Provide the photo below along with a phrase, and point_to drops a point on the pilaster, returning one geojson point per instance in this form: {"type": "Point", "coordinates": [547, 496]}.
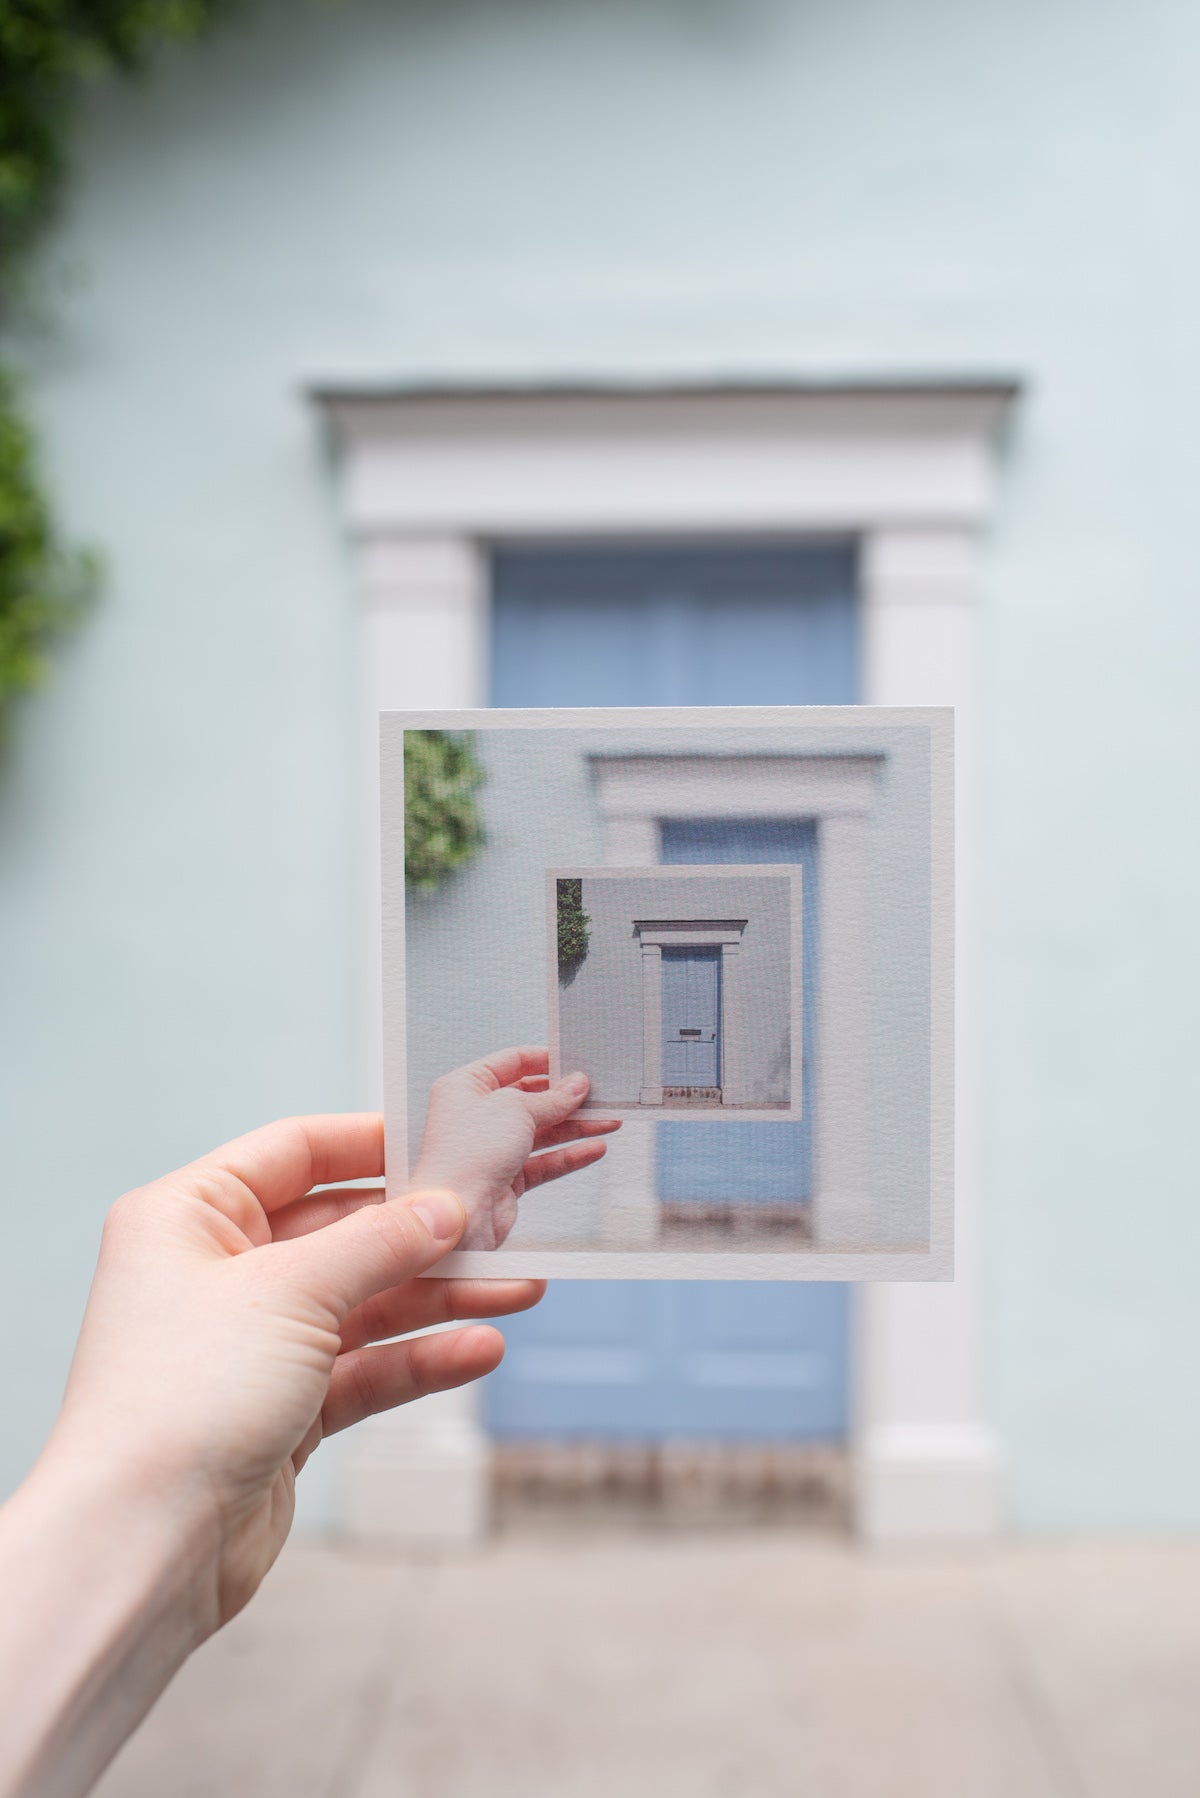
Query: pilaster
{"type": "Point", "coordinates": [927, 1461]}
{"type": "Point", "coordinates": [423, 1471]}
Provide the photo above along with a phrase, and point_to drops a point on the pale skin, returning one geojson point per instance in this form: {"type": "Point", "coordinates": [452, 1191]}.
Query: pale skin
{"type": "Point", "coordinates": [236, 1318]}
{"type": "Point", "coordinates": [481, 1130]}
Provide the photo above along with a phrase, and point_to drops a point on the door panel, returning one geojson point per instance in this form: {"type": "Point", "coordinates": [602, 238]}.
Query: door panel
{"type": "Point", "coordinates": [778, 1349]}
{"type": "Point", "coordinates": [717, 1161]}
{"type": "Point", "coordinates": [596, 1366]}
{"type": "Point", "coordinates": [710, 624]}
{"type": "Point", "coordinates": [704, 625]}
{"type": "Point", "coordinates": [691, 998]}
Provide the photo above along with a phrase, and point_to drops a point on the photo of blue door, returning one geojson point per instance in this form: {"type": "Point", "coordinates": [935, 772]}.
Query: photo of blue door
{"type": "Point", "coordinates": [745, 624]}
{"type": "Point", "coordinates": [691, 1018]}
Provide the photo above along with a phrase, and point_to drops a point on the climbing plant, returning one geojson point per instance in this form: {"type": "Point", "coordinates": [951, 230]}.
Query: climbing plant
{"type": "Point", "coordinates": [442, 826]}
{"type": "Point", "coordinates": [573, 923]}
{"type": "Point", "coordinates": [42, 586]}
{"type": "Point", "coordinates": [49, 49]}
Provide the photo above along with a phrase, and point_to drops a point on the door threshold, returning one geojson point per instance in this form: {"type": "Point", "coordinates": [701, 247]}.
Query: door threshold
{"type": "Point", "coordinates": [700, 1223]}
{"type": "Point", "coordinates": [671, 1486]}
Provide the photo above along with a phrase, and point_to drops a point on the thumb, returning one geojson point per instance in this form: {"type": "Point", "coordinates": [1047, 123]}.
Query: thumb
{"type": "Point", "coordinates": [556, 1106]}
{"type": "Point", "coordinates": [377, 1247]}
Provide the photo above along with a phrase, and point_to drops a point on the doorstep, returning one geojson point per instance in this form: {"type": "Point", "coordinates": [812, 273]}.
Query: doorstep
{"type": "Point", "coordinates": [671, 1485]}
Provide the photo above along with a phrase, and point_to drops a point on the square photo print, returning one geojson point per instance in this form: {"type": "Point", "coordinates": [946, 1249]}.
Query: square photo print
{"type": "Point", "coordinates": [669, 994]}
{"type": "Point", "coordinates": [678, 991]}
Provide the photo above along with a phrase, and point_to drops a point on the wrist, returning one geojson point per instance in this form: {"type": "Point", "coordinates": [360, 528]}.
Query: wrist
{"type": "Point", "coordinates": [166, 1530]}
{"type": "Point", "coordinates": [109, 1587]}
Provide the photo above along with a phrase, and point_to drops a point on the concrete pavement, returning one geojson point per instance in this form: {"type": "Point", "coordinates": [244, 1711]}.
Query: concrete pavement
{"type": "Point", "coordinates": [577, 1664]}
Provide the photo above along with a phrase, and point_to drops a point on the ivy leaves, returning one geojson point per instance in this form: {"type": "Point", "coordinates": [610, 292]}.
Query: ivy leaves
{"type": "Point", "coordinates": [573, 923]}
{"type": "Point", "coordinates": [442, 826]}
{"type": "Point", "coordinates": [47, 49]}
{"type": "Point", "coordinates": [43, 587]}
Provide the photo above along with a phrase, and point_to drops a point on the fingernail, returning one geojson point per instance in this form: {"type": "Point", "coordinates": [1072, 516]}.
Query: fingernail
{"type": "Point", "coordinates": [578, 1083]}
{"type": "Point", "coordinates": [441, 1213]}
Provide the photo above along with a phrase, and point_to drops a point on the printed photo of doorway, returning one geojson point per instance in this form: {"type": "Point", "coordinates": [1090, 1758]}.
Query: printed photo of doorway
{"type": "Point", "coordinates": [678, 991]}
{"type": "Point", "coordinates": [731, 921]}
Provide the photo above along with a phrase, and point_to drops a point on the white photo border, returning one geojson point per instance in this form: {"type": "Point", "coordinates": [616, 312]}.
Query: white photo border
{"type": "Point", "coordinates": [934, 1262]}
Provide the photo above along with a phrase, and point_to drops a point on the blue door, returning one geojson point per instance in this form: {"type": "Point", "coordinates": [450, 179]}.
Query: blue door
{"type": "Point", "coordinates": [691, 1004]}
{"type": "Point", "coordinates": [760, 1163]}
{"type": "Point", "coordinates": [703, 625]}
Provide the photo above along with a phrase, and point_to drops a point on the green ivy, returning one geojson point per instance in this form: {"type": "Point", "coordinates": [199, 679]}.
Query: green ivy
{"type": "Point", "coordinates": [573, 923]}
{"type": "Point", "coordinates": [42, 587]}
{"type": "Point", "coordinates": [442, 826]}
{"type": "Point", "coordinates": [48, 49]}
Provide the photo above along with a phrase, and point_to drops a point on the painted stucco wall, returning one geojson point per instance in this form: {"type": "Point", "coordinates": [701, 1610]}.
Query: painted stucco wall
{"type": "Point", "coordinates": [600, 1001]}
{"type": "Point", "coordinates": [645, 187]}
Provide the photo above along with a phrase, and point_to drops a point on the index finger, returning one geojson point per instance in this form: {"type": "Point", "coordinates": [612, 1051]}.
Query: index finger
{"type": "Point", "coordinates": [282, 1161]}
{"type": "Point", "coordinates": [507, 1065]}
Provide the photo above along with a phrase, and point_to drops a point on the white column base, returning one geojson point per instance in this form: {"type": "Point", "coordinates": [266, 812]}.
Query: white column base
{"type": "Point", "coordinates": [918, 1484]}
{"type": "Point", "coordinates": [426, 1484]}
{"type": "Point", "coordinates": [630, 1219]}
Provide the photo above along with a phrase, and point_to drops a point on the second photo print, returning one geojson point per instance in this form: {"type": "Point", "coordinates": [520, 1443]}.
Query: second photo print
{"type": "Point", "coordinates": [678, 991]}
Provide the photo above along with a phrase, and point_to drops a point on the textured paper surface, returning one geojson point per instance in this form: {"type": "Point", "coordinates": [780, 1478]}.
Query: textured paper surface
{"type": "Point", "coordinates": [765, 1000]}
{"type": "Point", "coordinates": [743, 928]}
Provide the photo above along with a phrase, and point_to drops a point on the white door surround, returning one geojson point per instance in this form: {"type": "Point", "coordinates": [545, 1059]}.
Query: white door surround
{"type": "Point", "coordinates": [429, 481]}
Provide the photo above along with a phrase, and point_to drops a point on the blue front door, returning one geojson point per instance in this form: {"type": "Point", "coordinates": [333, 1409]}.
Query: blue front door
{"type": "Point", "coordinates": [707, 625]}
{"type": "Point", "coordinates": [760, 1163]}
{"type": "Point", "coordinates": [691, 1007]}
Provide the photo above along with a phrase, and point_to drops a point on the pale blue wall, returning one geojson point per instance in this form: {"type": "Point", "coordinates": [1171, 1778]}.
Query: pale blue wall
{"type": "Point", "coordinates": [665, 187]}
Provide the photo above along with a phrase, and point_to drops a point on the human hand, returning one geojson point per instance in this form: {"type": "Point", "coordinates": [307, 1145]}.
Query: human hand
{"type": "Point", "coordinates": [496, 1128]}
{"type": "Point", "coordinates": [230, 1327]}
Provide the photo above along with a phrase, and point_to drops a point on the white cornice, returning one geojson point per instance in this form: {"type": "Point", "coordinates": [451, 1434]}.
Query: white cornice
{"type": "Point", "coordinates": [705, 786]}
{"type": "Point", "coordinates": [691, 933]}
{"type": "Point", "coordinates": [503, 462]}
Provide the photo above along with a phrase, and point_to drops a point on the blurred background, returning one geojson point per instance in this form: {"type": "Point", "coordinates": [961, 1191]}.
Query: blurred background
{"type": "Point", "coordinates": [494, 352]}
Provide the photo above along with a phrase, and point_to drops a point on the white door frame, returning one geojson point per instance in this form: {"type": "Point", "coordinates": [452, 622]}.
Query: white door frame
{"type": "Point", "coordinates": [430, 480]}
